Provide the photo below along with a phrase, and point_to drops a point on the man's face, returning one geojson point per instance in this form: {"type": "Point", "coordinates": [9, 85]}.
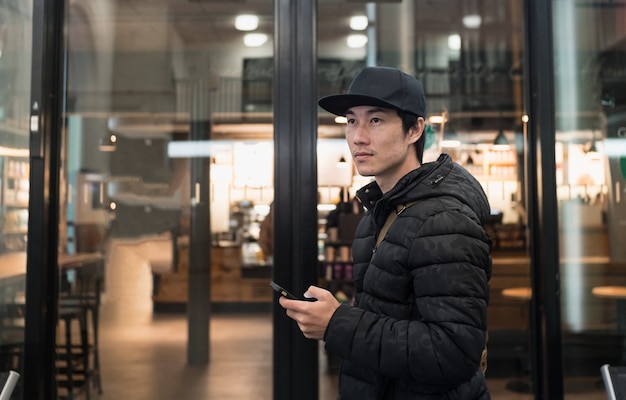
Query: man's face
{"type": "Point", "coordinates": [378, 144]}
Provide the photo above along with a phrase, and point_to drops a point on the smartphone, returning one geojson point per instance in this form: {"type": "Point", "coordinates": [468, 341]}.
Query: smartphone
{"type": "Point", "coordinates": [285, 293]}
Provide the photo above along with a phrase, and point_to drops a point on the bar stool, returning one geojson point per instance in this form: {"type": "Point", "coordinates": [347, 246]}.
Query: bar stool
{"type": "Point", "coordinates": [12, 323]}
{"type": "Point", "coordinates": [79, 303]}
{"type": "Point", "coordinates": [73, 370]}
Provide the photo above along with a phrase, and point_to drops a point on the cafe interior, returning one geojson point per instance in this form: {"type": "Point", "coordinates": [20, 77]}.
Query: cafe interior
{"type": "Point", "coordinates": [166, 170]}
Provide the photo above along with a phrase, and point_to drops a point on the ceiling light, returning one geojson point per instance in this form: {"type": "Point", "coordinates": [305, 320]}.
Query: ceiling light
{"type": "Point", "coordinates": [342, 163]}
{"type": "Point", "coordinates": [108, 143]}
{"type": "Point", "coordinates": [454, 42]}
{"type": "Point", "coordinates": [501, 142]}
{"type": "Point", "coordinates": [472, 21]}
{"type": "Point", "coordinates": [255, 39]}
{"type": "Point", "coordinates": [591, 150]}
{"type": "Point", "coordinates": [13, 152]}
{"type": "Point", "coordinates": [614, 147]}
{"type": "Point", "coordinates": [359, 22]}
{"type": "Point", "coordinates": [436, 119]}
{"type": "Point", "coordinates": [450, 137]}
{"type": "Point", "coordinates": [246, 22]}
{"type": "Point", "coordinates": [341, 120]}
{"type": "Point", "coordinates": [356, 41]}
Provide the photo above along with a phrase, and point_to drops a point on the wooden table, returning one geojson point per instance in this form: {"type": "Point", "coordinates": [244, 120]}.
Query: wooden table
{"type": "Point", "coordinates": [610, 292]}
{"type": "Point", "coordinates": [13, 265]}
{"type": "Point", "coordinates": [618, 293]}
{"type": "Point", "coordinates": [520, 293]}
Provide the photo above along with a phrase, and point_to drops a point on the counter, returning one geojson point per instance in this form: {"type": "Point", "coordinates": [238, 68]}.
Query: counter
{"type": "Point", "coordinates": [231, 282]}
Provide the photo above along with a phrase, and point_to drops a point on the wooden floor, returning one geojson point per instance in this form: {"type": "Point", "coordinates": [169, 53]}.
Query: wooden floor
{"type": "Point", "coordinates": [143, 354]}
{"type": "Point", "coordinates": [149, 362]}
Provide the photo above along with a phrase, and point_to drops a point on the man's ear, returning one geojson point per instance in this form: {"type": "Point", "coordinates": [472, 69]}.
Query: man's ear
{"type": "Point", "coordinates": [417, 130]}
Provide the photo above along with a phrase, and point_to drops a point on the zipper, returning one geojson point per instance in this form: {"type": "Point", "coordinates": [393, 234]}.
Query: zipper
{"type": "Point", "coordinates": [438, 179]}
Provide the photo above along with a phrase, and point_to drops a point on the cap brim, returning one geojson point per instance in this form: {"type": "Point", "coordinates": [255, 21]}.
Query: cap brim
{"type": "Point", "coordinates": [339, 104]}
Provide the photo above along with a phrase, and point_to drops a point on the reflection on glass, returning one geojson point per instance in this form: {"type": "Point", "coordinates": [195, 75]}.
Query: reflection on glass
{"type": "Point", "coordinates": [591, 214]}
{"type": "Point", "coordinates": [180, 193]}
{"type": "Point", "coordinates": [15, 59]}
{"type": "Point", "coordinates": [468, 55]}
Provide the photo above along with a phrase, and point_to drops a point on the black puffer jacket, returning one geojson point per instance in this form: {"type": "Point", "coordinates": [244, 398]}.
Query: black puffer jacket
{"type": "Point", "coordinates": [418, 326]}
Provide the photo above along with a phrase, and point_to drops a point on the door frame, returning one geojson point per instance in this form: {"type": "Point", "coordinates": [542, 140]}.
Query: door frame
{"type": "Point", "coordinates": [46, 126]}
{"type": "Point", "coordinates": [540, 140]}
{"type": "Point", "coordinates": [295, 367]}
{"type": "Point", "coordinates": [295, 358]}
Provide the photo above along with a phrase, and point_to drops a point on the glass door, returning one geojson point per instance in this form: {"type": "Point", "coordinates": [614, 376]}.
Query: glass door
{"type": "Point", "coordinates": [590, 138]}
{"type": "Point", "coordinates": [468, 56]}
{"type": "Point", "coordinates": [15, 54]}
{"type": "Point", "coordinates": [167, 177]}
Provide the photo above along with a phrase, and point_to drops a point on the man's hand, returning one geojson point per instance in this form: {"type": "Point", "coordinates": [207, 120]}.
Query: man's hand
{"type": "Point", "coordinates": [312, 316]}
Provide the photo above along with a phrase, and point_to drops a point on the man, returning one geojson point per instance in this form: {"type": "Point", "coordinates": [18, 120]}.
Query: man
{"type": "Point", "coordinates": [417, 328]}
{"type": "Point", "coordinates": [266, 235]}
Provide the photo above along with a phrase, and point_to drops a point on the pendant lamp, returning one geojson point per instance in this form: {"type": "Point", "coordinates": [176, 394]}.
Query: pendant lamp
{"type": "Point", "coordinates": [501, 142]}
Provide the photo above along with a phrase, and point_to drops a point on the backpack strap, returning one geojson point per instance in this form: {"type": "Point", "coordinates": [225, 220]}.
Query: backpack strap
{"type": "Point", "coordinates": [381, 235]}
{"type": "Point", "coordinates": [390, 218]}
{"type": "Point", "coordinates": [483, 356]}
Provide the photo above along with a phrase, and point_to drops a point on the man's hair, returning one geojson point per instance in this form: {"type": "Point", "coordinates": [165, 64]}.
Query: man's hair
{"type": "Point", "coordinates": [408, 121]}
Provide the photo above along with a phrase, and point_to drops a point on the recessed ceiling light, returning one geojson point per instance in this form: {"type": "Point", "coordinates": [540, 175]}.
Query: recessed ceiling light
{"type": "Point", "coordinates": [472, 21]}
{"type": "Point", "coordinates": [358, 22]}
{"type": "Point", "coordinates": [454, 42]}
{"type": "Point", "coordinates": [246, 22]}
{"type": "Point", "coordinates": [436, 119]}
{"type": "Point", "coordinates": [255, 39]}
{"type": "Point", "coordinates": [356, 41]}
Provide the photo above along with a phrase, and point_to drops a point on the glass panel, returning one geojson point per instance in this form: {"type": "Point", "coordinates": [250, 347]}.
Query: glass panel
{"type": "Point", "coordinates": [168, 175]}
{"type": "Point", "coordinates": [468, 56]}
{"type": "Point", "coordinates": [15, 54]}
{"type": "Point", "coordinates": [589, 87]}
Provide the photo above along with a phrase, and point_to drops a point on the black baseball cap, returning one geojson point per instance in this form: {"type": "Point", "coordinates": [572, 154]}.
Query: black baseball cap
{"type": "Point", "coordinates": [379, 86]}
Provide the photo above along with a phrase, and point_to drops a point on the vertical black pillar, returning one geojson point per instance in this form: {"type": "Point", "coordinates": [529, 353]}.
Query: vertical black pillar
{"type": "Point", "coordinates": [199, 300]}
{"type": "Point", "coordinates": [295, 199]}
{"type": "Point", "coordinates": [545, 323]}
{"type": "Point", "coordinates": [46, 110]}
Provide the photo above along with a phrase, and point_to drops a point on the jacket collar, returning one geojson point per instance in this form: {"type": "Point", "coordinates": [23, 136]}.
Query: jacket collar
{"type": "Point", "coordinates": [405, 189]}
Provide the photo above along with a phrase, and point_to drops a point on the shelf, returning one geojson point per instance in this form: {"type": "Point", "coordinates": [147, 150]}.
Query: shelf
{"type": "Point", "coordinates": [16, 205]}
{"type": "Point", "coordinates": [500, 164]}
{"type": "Point", "coordinates": [495, 178]}
{"type": "Point", "coordinates": [15, 195]}
{"type": "Point", "coordinates": [15, 231]}
{"type": "Point", "coordinates": [230, 281]}
{"type": "Point", "coordinates": [494, 166]}
{"type": "Point", "coordinates": [337, 243]}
